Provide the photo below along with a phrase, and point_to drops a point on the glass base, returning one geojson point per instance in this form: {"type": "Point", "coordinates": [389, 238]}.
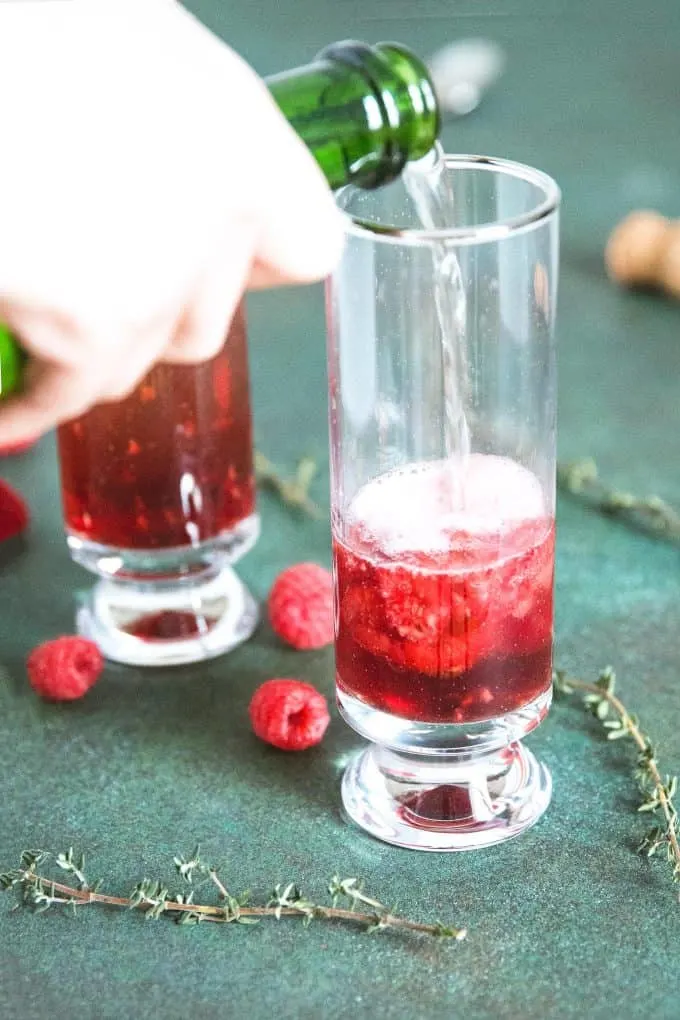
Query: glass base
{"type": "Point", "coordinates": [428, 803]}
{"type": "Point", "coordinates": [445, 786]}
{"type": "Point", "coordinates": [159, 624]}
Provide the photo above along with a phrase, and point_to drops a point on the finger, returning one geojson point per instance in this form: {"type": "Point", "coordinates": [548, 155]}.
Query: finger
{"type": "Point", "coordinates": [301, 242]}
{"type": "Point", "coordinates": [202, 328]}
{"type": "Point", "coordinates": [303, 231]}
{"type": "Point", "coordinates": [137, 363]}
{"type": "Point", "coordinates": [53, 395]}
{"type": "Point", "coordinates": [53, 389]}
{"type": "Point", "coordinates": [265, 277]}
{"type": "Point", "coordinates": [48, 333]}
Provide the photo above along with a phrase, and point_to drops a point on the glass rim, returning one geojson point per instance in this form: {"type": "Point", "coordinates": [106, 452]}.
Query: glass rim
{"type": "Point", "coordinates": [480, 233]}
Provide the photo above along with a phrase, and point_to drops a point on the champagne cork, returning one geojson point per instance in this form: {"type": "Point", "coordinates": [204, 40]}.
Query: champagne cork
{"type": "Point", "coordinates": [644, 250]}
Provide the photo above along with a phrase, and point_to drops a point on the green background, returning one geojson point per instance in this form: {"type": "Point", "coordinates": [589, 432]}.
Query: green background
{"type": "Point", "coordinates": [566, 921]}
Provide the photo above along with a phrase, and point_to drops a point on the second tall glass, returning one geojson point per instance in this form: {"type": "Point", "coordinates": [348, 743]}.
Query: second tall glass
{"type": "Point", "coordinates": [442, 421]}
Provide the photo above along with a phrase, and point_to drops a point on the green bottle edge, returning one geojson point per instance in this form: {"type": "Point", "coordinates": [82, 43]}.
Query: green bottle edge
{"type": "Point", "coordinates": [12, 363]}
{"type": "Point", "coordinates": [376, 60]}
{"type": "Point", "coordinates": [410, 121]}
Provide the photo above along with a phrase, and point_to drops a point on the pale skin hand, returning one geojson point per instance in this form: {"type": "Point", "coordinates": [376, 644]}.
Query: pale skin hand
{"type": "Point", "coordinates": [147, 179]}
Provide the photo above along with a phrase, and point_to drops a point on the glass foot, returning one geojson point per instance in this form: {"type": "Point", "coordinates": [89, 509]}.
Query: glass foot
{"type": "Point", "coordinates": [429, 803]}
{"type": "Point", "coordinates": [157, 624]}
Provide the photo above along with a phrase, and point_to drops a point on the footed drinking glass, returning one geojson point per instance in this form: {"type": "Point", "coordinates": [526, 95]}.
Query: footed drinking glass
{"type": "Point", "coordinates": [442, 425]}
{"type": "Point", "coordinates": [159, 500]}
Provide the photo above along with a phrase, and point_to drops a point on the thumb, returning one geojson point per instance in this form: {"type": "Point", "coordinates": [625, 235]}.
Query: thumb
{"type": "Point", "coordinates": [301, 228]}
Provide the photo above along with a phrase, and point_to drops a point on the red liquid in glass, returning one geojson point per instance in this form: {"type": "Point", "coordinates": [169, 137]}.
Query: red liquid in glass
{"type": "Point", "coordinates": [171, 465]}
{"type": "Point", "coordinates": [168, 625]}
{"type": "Point", "coordinates": [446, 618]}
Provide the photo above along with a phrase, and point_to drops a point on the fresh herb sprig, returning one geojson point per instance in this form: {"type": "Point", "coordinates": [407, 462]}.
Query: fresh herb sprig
{"type": "Point", "coordinates": [293, 492]}
{"type": "Point", "coordinates": [155, 900]}
{"type": "Point", "coordinates": [657, 791]}
{"type": "Point", "coordinates": [647, 513]}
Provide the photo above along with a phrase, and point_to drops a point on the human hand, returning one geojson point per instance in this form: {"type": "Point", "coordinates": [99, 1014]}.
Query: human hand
{"type": "Point", "coordinates": [149, 178]}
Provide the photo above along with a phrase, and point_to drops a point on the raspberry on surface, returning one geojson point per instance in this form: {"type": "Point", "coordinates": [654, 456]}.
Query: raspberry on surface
{"type": "Point", "coordinates": [65, 668]}
{"type": "Point", "coordinates": [301, 606]}
{"type": "Point", "coordinates": [289, 714]}
{"type": "Point", "coordinates": [14, 515]}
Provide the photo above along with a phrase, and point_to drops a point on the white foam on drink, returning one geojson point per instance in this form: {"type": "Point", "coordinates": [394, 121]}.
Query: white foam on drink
{"type": "Point", "coordinates": [411, 510]}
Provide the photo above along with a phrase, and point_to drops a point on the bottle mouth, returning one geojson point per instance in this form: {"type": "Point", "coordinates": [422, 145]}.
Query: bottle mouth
{"type": "Point", "coordinates": [516, 198]}
{"type": "Point", "coordinates": [416, 82]}
{"type": "Point", "coordinates": [404, 99]}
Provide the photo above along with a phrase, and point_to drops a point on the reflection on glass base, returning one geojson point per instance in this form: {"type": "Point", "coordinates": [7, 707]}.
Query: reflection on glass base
{"type": "Point", "coordinates": [422, 804]}
{"type": "Point", "coordinates": [447, 787]}
{"type": "Point", "coordinates": [160, 625]}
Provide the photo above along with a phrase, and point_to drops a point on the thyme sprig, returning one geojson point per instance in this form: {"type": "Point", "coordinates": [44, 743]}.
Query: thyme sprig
{"type": "Point", "coordinates": [647, 513]}
{"type": "Point", "coordinates": [154, 899]}
{"type": "Point", "coordinates": [657, 791]}
{"type": "Point", "coordinates": [294, 492]}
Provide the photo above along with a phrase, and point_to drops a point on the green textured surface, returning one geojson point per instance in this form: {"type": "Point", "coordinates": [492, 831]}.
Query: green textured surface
{"type": "Point", "coordinates": [566, 922]}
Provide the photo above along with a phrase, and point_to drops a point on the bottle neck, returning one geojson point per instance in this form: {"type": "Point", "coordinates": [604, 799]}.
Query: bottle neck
{"type": "Point", "coordinates": [363, 111]}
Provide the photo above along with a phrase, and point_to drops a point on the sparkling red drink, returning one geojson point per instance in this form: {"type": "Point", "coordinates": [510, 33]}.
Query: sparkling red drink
{"type": "Point", "coordinates": [169, 466]}
{"type": "Point", "coordinates": [445, 611]}
{"type": "Point", "coordinates": [442, 399]}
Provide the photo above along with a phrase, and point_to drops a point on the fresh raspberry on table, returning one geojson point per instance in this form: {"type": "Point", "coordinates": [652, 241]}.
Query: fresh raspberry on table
{"type": "Point", "coordinates": [14, 515]}
{"type": "Point", "coordinates": [65, 668]}
{"type": "Point", "coordinates": [289, 714]}
{"type": "Point", "coordinates": [301, 606]}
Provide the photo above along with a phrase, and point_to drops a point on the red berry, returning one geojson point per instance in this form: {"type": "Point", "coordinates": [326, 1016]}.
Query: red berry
{"type": "Point", "coordinates": [64, 669]}
{"type": "Point", "coordinates": [14, 514]}
{"type": "Point", "coordinates": [301, 606]}
{"type": "Point", "coordinates": [289, 714]}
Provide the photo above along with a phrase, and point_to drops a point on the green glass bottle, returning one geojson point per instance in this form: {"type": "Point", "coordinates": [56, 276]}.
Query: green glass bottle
{"type": "Point", "coordinates": [363, 111]}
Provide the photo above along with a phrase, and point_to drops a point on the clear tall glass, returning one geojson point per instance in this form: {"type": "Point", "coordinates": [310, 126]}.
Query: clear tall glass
{"type": "Point", "coordinates": [442, 424]}
{"type": "Point", "coordinates": [159, 499]}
